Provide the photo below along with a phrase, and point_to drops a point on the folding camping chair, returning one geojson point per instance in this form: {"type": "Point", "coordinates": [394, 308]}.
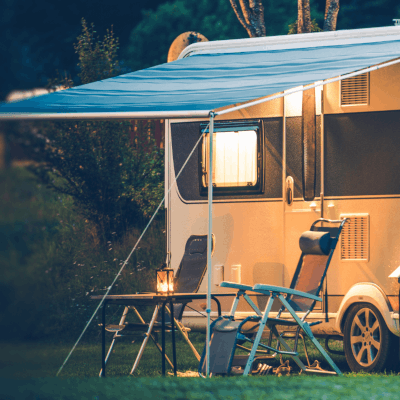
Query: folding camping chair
{"type": "Point", "coordinates": [318, 246]}
{"type": "Point", "coordinates": [187, 280]}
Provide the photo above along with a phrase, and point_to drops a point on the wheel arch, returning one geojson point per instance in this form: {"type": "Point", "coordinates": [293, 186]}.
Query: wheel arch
{"type": "Point", "coordinates": [366, 292]}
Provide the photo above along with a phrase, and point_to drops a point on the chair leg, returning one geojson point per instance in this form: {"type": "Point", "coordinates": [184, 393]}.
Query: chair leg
{"type": "Point", "coordinates": [305, 349]}
{"type": "Point", "coordinates": [296, 335]}
{"type": "Point", "coordinates": [259, 334]}
{"type": "Point", "coordinates": [287, 348]}
{"type": "Point", "coordinates": [325, 354]}
{"type": "Point", "coordinates": [307, 330]}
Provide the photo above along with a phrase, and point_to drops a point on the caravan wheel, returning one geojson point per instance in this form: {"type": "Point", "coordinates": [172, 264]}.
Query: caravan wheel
{"type": "Point", "coordinates": [368, 343]}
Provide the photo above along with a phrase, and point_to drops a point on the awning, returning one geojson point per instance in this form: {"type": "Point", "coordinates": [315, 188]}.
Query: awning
{"type": "Point", "coordinates": [193, 86]}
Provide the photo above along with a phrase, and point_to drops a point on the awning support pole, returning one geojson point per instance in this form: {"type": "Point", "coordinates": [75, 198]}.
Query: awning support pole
{"type": "Point", "coordinates": [209, 240]}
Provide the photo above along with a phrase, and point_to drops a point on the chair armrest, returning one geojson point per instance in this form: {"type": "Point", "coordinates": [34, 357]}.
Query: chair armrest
{"type": "Point", "coordinates": [268, 288]}
{"type": "Point", "coordinates": [233, 285]}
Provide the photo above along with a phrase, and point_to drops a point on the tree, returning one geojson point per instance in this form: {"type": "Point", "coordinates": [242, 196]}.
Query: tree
{"type": "Point", "coordinates": [114, 183]}
{"type": "Point", "coordinates": [151, 38]}
{"type": "Point", "coordinates": [305, 24]}
{"type": "Point", "coordinates": [303, 16]}
{"type": "Point", "coordinates": [250, 13]}
{"type": "Point", "coordinates": [331, 14]}
{"type": "Point", "coordinates": [215, 19]}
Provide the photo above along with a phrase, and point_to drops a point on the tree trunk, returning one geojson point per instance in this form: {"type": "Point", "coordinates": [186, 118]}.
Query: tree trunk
{"type": "Point", "coordinates": [303, 16]}
{"type": "Point", "coordinates": [331, 14]}
{"type": "Point", "coordinates": [250, 14]}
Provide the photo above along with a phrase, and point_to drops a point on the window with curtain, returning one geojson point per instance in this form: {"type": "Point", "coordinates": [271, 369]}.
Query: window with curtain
{"type": "Point", "coordinates": [236, 158]}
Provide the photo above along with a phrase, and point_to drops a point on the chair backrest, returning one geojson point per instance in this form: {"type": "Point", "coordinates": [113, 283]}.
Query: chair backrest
{"type": "Point", "coordinates": [317, 247]}
{"type": "Point", "coordinates": [193, 265]}
{"type": "Point", "coordinates": [191, 270]}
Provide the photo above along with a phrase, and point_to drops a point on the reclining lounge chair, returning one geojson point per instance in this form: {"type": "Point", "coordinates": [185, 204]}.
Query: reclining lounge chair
{"type": "Point", "coordinates": [318, 246]}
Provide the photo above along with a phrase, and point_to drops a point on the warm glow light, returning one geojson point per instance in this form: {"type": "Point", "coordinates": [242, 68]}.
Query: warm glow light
{"type": "Point", "coordinates": [234, 158]}
{"type": "Point", "coordinates": [163, 287]}
{"type": "Point", "coordinates": [165, 281]}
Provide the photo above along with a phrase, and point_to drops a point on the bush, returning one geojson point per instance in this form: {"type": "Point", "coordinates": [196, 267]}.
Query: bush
{"type": "Point", "coordinates": [51, 262]}
{"type": "Point", "coordinates": [115, 182]}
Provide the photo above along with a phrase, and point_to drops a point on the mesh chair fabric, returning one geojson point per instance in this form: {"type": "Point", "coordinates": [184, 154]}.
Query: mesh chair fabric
{"type": "Point", "coordinates": [193, 265]}
{"type": "Point", "coordinates": [308, 280]}
{"type": "Point", "coordinates": [191, 269]}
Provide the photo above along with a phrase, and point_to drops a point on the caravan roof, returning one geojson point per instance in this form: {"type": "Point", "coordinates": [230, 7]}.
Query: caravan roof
{"type": "Point", "coordinates": [212, 75]}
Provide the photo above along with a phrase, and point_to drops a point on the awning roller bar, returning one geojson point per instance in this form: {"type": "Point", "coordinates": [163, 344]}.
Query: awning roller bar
{"type": "Point", "coordinates": [106, 115]}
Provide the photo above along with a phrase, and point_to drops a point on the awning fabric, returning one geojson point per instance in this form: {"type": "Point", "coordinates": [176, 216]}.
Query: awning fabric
{"type": "Point", "coordinates": [206, 82]}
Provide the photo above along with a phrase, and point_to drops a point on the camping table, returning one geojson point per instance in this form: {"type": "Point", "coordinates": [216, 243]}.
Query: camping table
{"type": "Point", "coordinates": [149, 299]}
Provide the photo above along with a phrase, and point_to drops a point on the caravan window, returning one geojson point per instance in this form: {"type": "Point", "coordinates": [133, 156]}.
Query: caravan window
{"type": "Point", "coordinates": [237, 158]}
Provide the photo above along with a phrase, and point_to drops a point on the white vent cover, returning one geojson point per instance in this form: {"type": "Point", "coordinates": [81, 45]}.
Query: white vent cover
{"type": "Point", "coordinates": [355, 238]}
{"type": "Point", "coordinates": [354, 91]}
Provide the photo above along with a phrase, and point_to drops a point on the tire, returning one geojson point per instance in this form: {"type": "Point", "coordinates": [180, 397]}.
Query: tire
{"type": "Point", "coordinates": [368, 343]}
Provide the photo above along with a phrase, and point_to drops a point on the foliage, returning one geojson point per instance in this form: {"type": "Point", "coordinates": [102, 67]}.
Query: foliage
{"type": "Point", "coordinates": [115, 182]}
{"type": "Point", "coordinates": [367, 14]}
{"type": "Point", "coordinates": [314, 27]}
{"type": "Point", "coordinates": [51, 261]}
{"type": "Point", "coordinates": [215, 19]}
{"type": "Point", "coordinates": [32, 51]}
{"type": "Point", "coordinates": [151, 38]}
{"type": "Point", "coordinates": [97, 59]}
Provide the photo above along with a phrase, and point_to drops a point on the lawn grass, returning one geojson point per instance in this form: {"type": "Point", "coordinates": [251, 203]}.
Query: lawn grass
{"type": "Point", "coordinates": [25, 360]}
{"type": "Point", "coordinates": [27, 371]}
{"type": "Point", "coordinates": [273, 388]}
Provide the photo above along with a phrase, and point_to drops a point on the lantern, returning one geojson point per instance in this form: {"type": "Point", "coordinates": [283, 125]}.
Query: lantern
{"type": "Point", "coordinates": [165, 281]}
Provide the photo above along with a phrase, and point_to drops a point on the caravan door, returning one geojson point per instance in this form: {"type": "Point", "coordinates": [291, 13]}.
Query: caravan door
{"type": "Point", "coordinates": [302, 205]}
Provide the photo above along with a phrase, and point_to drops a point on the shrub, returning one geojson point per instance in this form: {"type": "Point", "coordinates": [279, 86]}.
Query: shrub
{"type": "Point", "coordinates": [51, 262]}
{"type": "Point", "coordinates": [115, 182]}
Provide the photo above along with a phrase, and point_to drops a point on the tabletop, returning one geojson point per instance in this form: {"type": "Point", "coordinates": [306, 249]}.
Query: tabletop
{"type": "Point", "coordinates": [149, 298]}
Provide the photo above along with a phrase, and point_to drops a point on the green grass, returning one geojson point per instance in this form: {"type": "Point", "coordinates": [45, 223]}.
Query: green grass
{"type": "Point", "coordinates": [27, 371]}
{"type": "Point", "coordinates": [273, 388]}
{"type": "Point", "coordinates": [37, 359]}
{"type": "Point", "coordinates": [24, 360]}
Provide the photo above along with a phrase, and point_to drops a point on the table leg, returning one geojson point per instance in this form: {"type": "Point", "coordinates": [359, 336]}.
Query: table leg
{"type": "Point", "coordinates": [171, 304]}
{"type": "Point", "coordinates": [163, 337]}
{"type": "Point", "coordinates": [103, 340]}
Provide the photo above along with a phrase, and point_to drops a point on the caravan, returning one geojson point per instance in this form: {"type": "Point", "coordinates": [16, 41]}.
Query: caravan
{"type": "Point", "coordinates": [330, 149]}
{"type": "Point", "coordinates": [303, 126]}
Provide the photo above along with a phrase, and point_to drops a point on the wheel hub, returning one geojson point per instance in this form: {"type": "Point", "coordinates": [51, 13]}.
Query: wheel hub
{"type": "Point", "coordinates": [365, 337]}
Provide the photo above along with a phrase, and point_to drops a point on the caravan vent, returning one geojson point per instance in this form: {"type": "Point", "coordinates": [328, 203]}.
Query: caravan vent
{"type": "Point", "coordinates": [355, 238]}
{"type": "Point", "coordinates": [354, 91]}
